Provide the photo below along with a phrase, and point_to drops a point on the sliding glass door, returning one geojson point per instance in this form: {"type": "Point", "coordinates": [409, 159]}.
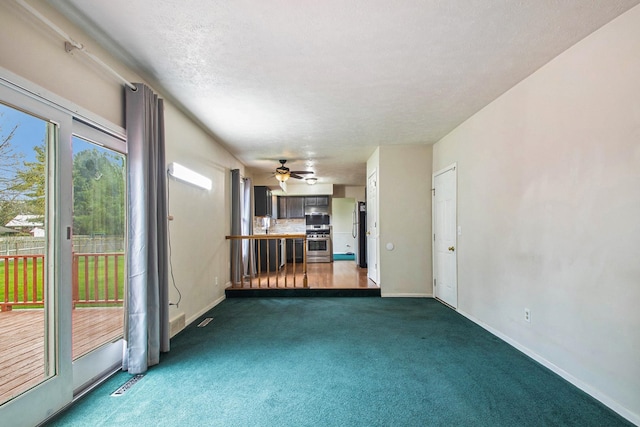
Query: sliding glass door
{"type": "Point", "coordinates": [98, 267]}
{"type": "Point", "coordinates": [62, 255]}
{"type": "Point", "coordinates": [35, 316]}
{"type": "Point", "coordinates": [26, 359]}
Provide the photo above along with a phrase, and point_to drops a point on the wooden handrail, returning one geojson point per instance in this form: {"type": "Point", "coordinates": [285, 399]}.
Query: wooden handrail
{"type": "Point", "coordinates": [255, 273]}
{"type": "Point", "coordinates": [31, 281]}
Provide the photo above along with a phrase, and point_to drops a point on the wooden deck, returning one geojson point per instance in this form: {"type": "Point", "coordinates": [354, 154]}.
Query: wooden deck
{"type": "Point", "coordinates": [22, 343]}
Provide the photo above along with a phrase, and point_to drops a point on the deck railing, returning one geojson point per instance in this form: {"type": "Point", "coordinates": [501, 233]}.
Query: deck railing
{"type": "Point", "coordinates": [257, 265]}
{"type": "Point", "coordinates": [97, 279]}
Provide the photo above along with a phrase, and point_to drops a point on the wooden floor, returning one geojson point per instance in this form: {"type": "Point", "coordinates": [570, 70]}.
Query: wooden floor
{"type": "Point", "coordinates": [22, 343]}
{"type": "Point", "coordinates": [334, 275]}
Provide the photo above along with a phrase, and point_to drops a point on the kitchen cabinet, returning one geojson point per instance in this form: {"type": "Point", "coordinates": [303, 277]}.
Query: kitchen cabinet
{"type": "Point", "coordinates": [316, 201]}
{"type": "Point", "coordinates": [274, 260]}
{"type": "Point", "coordinates": [262, 201]}
{"type": "Point", "coordinates": [298, 244]}
{"type": "Point", "coordinates": [291, 207]}
{"type": "Point", "coordinates": [282, 207]}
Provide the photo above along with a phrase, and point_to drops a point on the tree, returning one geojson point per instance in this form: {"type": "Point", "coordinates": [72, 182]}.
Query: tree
{"type": "Point", "coordinates": [31, 183]}
{"type": "Point", "coordinates": [10, 160]}
{"type": "Point", "coordinates": [98, 193]}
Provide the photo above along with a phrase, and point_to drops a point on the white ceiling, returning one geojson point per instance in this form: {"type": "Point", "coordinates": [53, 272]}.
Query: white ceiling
{"type": "Point", "coordinates": [328, 81]}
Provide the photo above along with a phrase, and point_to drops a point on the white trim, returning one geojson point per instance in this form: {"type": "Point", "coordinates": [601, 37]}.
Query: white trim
{"type": "Point", "coordinates": [199, 314]}
{"type": "Point", "coordinates": [405, 295]}
{"type": "Point", "coordinates": [593, 392]}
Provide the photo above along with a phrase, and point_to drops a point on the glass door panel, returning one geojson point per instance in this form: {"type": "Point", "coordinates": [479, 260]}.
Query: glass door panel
{"type": "Point", "coordinates": [26, 359]}
{"type": "Point", "coordinates": [98, 268]}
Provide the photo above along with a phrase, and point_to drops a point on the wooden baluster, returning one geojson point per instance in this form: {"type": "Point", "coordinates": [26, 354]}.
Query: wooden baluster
{"type": "Point", "coordinates": [86, 277]}
{"type": "Point", "coordinates": [116, 294]}
{"type": "Point", "coordinates": [294, 263]}
{"type": "Point", "coordinates": [25, 279]}
{"type": "Point", "coordinates": [34, 279]}
{"type": "Point", "coordinates": [106, 278]}
{"type": "Point", "coordinates": [15, 279]}
{"type": "Point", "coordinates": [252, 261]}
{"type": "Point", "coordinates": [95, 279]}
{"type": "Point", "coordinates": [259, 262]}
{"type": "Point", "coordinates": [305, 284]}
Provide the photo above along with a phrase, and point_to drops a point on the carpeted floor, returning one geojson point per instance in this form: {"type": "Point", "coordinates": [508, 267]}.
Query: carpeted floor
{"type": "Point", "coordinates": [340, 362]}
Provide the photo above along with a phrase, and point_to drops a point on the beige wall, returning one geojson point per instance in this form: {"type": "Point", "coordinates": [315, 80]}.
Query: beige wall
{"type": "Point", "coordinates": [404, 219]}
{"type": "Point", "coordinates": [34, 52]}
{"type": "Point", "coordinates": [199, 251]}
{"type": "Point", "coordinates": [549, 205]}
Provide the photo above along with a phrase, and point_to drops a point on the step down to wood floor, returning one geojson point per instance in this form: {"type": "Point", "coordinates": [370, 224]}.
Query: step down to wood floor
{"type": "Point", "coordinates": [314, 292]}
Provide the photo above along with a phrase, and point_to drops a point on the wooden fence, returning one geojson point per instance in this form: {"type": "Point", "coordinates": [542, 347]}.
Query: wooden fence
{"type": "Point", "coordinates": [97, 280]}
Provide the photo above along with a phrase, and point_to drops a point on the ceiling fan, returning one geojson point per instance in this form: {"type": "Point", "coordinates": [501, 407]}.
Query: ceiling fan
{"type": "Point", "coordinates": [283, 173]}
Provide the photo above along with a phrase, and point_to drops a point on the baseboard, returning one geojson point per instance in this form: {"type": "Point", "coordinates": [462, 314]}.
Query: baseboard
{"type": "Point", "coordinates": [596, 394]}
{"type": "Point", "coordinates": [200, 313]}
{"type": "Point", "coordinates": [405, 295]}
{"type": "Point", "coordinates": [176, 324]}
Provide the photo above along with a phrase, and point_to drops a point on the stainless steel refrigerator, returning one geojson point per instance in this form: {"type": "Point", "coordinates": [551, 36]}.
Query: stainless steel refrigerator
{"type": "Point", "coordinates": [360, 233]}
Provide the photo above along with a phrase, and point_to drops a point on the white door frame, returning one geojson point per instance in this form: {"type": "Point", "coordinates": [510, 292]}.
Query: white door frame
{"type": "Point", "coordinates": [450, 300]}
{"type": "Point", "coordinates": [373, 272]}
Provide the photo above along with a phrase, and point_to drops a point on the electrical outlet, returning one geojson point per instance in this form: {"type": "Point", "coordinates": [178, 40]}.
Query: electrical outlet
{"type": "Point", "coordinates": [527, 315]}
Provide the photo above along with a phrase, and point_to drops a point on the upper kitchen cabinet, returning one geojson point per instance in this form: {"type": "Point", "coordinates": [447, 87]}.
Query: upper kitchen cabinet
{"type": "Point", "coordinates": [262, 201]}
{"type": "Point", "coordinates": [316, 201]}
{"type": "Point", "coordinates": [291, 207]}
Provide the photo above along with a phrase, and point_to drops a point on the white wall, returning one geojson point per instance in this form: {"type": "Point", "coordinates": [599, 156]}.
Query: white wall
{"type": "Point", "coordinates": [549, 205]}
{"type": "Point", "coordinates": [200, 252]}
{"type": "Point", "coordinates": [404, 219]}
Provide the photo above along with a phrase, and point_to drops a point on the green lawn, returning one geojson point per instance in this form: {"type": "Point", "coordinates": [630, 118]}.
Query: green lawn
{"type": "Point", "coordinates": [85, 266]}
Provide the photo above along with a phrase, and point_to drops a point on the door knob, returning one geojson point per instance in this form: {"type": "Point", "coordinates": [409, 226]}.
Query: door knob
{"type": "Point", "coordinates": [452, 249]}
{"type": "Point", "coordinates": [368, 233]}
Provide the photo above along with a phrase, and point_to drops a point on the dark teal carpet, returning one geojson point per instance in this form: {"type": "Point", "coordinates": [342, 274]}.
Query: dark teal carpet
{"type": "Point", "coordinates": [340, 362]}
{"type": "Point", "coordinates": [344, 257]}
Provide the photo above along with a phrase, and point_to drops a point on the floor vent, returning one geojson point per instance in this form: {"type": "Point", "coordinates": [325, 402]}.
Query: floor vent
{"type": "Point", "coordinates": [205, 322]}
{"type": "Point", "coordinates": [126, 386]}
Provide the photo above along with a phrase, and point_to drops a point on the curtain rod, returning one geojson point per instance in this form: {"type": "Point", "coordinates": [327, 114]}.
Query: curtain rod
{"type": "Point", "coordinates": [71, 44]}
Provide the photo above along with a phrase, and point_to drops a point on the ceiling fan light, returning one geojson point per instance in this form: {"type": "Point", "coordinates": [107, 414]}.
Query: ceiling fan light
{"type": "Point", "coordinates": [282, 177]}
{"type": "Point", "coordinates": [311, 181]}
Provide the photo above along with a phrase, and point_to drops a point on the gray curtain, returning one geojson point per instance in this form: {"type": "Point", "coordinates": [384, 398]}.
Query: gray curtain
{"type": "Point", "coordinates": [236, 227]}
{"type": "Point", "coordinates": [247, 227]}
{"type": "Point", "coordinates": [147, 304]}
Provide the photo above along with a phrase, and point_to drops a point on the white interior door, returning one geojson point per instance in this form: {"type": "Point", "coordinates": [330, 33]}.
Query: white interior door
{"type": "Point", "coordinates": [372, 227]}
{"type": "Point", "coordinates": [444, 238]}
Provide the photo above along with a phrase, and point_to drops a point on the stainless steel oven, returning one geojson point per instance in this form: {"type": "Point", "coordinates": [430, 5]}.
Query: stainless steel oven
{"type": "Point", "coordinates": [319, 243]}
{"type": "Point", "coordinates": [318, 248]}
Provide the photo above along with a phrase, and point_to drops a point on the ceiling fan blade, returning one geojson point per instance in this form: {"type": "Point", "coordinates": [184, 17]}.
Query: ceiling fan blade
{"type": "Point", "coordinates": [301, 172]}
{"type": "Point", "coordinates": [295, 175]}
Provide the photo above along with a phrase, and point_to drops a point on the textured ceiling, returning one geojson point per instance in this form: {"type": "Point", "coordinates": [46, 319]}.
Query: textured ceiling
{"type": "Point", "coordinates": [323, 83]}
